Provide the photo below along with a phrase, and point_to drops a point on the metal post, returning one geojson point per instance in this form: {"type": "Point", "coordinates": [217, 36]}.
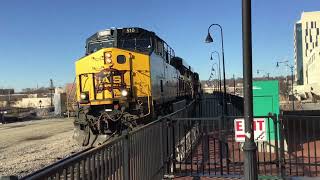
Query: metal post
{"type": "Point", "coordinates": [219, 68]}
{"type": "Point", "coordinates": [224, 76]}
{"type": "Point", "coordinates": [126, 158]}
{"type": "Point", "coordinates": [292, 88]}
{"type": "Point", "coordinates": [250, 160]}
{"type": "Point", "coordinates": [234, 85]}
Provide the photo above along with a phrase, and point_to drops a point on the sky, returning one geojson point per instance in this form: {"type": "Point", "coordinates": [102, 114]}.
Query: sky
{"type": "Point", "coordinates": [41, 39]}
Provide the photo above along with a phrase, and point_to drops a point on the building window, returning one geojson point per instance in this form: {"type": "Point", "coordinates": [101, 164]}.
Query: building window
{"type": "Point", "coordinates": [315, 24]}
{"type": "Point", "coordinates": [307, 46]}
{"type": "Point", "coordinates": [306, 32]}
{"type": "Point", "coordinates": [307, 25]}
{"type": "Point", "coordinates": [310, 38]}
{"type": "Point", "coordinates": [311, 24]}
{"type": "Point", "coordinates": [317, 31]}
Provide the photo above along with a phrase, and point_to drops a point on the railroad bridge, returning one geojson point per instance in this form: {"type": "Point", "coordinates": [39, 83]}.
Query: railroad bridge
{"type": "Point", "coordinates": [197, 141]}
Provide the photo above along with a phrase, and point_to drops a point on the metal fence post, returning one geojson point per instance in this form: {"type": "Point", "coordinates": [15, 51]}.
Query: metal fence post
{"type": "Point", "coordinates": [126, 163]}
{"type": "Point", "coordinates": [221, 147]}
{"type": "Point", "coordinates": [276, 129]}
{"type": "Point", "coordinates": [282, 158]}
{"type": "Point", "coordinates": [173, 162]}
{"type": "Point", "coordinates": [162, 148]}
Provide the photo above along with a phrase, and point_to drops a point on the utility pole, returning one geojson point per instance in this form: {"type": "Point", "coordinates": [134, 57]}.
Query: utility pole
{"type": "Point", "coordinates": [292, 88]}
{"type": "Point", "coordinates": [234, 85]}
{"type": "Point", "coordinates": [249, 148]}
{"type": "Point", "coordinates": [51, 92]}
{"type": "Point", "coordinates": [288, 91]}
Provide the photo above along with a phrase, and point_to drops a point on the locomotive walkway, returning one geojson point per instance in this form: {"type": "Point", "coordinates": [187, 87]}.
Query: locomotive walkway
{"type": "Point", "coordinates": [197, 142]}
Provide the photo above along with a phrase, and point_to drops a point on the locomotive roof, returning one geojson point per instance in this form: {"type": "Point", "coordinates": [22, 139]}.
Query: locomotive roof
{"type": "Point", "coordinates": [122, 31]}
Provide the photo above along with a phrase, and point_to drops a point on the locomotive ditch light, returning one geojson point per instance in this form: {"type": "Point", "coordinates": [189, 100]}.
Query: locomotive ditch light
{"type": "Point", "coordinates": [84, 96]}
{"type": "Point", "coordinates": [124, 92]}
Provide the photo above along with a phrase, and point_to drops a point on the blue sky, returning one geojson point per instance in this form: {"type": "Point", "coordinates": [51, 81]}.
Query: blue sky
{"type": "Point", "coordinates": [42, 39]}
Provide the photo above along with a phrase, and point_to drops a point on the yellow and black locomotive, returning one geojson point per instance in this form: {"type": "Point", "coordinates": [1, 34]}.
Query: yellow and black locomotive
{"type": "Point", "coordinates": [127, 77]}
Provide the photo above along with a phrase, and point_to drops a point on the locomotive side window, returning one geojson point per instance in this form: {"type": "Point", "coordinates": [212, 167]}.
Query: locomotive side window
{"type": "Point", "coordinates": [121, 59]}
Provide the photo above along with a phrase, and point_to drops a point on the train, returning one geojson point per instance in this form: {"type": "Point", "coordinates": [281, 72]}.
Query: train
{"type": "Point", "coordinates": [128, 77]}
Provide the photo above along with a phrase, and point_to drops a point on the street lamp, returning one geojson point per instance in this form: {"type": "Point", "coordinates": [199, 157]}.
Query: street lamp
{"type": "Point", "coordinates": [210, 40]}
{"type": "Point", "coordinates": [218, 84]}
{"type": "Point", "coordinates": [260, 70]}
{"type": "Point", "coordinates": [286, 63]}
{"type": "Point", "coordinates": [249, 146]}
{"type": "Point", "coordinates": [219, 71]}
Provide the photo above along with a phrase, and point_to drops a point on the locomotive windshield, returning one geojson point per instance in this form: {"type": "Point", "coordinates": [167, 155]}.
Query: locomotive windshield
{"type": "Point", "coordinates": [102, 39]}
{"type": "Point", "coordinates": [94, 46]}
{"type": "Point", "coordinates": [132, 39]}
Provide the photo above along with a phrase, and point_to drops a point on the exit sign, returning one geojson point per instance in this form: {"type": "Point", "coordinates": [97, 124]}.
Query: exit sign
{"type": "Point", "coordinates": [259, 127]}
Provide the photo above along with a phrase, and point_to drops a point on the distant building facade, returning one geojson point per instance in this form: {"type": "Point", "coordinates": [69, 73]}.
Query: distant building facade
{"type": "Point", "coordinates": [310, 34]}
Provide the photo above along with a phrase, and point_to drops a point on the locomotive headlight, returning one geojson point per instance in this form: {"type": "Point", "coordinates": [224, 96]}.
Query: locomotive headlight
{"type": "Point", "coordinates": [124, 92]}
{"type": "Point", "coordinates": [107, 57]}
{"type": "Point", "coordinates": [108, 60]}
{"type": "Point", "coordinates": [84, 96]}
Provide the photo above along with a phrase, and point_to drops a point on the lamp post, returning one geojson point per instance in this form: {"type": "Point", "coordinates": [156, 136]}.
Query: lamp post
{"type": "Point", "coordinates": [249, 147]}
{"type": "Point", "coordinates": [286, 63]}
{"type": "Point", "coordinates": [219, 71]}
{"type": "Point", "coordinates": [218, 79]}
{"type": "Point", "coordinates": [210, 40]}
{"type": "Point", "coordinates": [234, 85]}
{"type": "Point", "coordinates": [214, 75]}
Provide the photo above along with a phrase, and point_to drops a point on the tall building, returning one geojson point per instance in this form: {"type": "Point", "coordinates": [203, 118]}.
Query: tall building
{"type": "Point", "coordinates": [298, 56]}
{"type": "Point", "coordinates": [310, 29]}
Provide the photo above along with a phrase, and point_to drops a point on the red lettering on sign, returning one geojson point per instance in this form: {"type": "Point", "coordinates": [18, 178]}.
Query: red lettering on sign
{"type": "Point", "coordinates": [239, 125]}
{"type": "Point", "coordinates": [241, 136]}
{"type": "Point", "coordinates": [260, 124]}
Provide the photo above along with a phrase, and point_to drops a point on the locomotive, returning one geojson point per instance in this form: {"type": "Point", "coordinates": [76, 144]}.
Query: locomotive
{"type": "Point", "coordinates": [127, 77]}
